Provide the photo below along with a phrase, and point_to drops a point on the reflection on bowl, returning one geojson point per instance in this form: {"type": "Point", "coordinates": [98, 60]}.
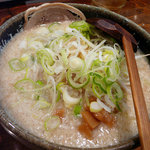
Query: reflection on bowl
{"type": "Point", "coordinates": [16, 23]}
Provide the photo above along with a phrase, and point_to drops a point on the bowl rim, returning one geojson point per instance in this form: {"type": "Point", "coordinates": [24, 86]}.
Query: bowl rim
{"type": "Point", "coordinates": [11, 126]}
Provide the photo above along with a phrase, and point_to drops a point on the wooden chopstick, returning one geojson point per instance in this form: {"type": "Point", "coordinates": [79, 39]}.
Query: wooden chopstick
{"type": "Point", "coordinates": [137, 93]}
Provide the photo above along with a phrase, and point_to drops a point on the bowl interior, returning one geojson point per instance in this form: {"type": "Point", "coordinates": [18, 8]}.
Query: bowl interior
{"type": "Point", "coordinates": [15, 24]}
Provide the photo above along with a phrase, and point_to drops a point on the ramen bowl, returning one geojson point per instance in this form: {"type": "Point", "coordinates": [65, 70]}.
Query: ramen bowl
{"type": "Point", "coordinates": [15, 24]}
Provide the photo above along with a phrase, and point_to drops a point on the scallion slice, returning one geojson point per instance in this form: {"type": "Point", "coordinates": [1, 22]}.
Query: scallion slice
{"type": "Point", "coordinates": [52, 123]}
{"type": "Point", "coordinates": [39, 82]}
{"type": "Point", "coordinates": [25, 84]}
{"type": "Point", "coordinates": [76, 63]}
{"type": "Point", "coordinates": [70, 100]}
{"type": "Point", "coordinates": [59, 91]}
{"type": "Point", "coordinates": [45, 54]}
{"type": "Point", "coordinates": [95, 107]}
{"type": "Point", "coordinates": [66, 37]}
{"type": "Point", "coordinates": [58, 96]}
{"type": "Point", "coordinates": [41, 104]}
{"type": "Point", "coordinates": [112, 71]}
{"type": "Point", "coordinates": [80, 82]}
{"type": "Point", "coordinates": [96, 63]}
{"type": "Point", "coordinates": [53, 27]}
{"type": "Point", "coordinates": [99, 81]}
{"type": "Point", "coordinates": [46, 64]}
{"type": "Point", "coordinates": [115, 93]}
{"type": "Point", "coordinates": [16, 64]}
{"type": "Point", "coordinates": [77, 109]}
{"type": "Point", "coordinates": [64, 57]}
{"type": "Point", "coordinates": [85, 28]}
{"type": "Point", "coordinates": [59, 85]}
{"type": "Point", "coordinates": [97, 91]}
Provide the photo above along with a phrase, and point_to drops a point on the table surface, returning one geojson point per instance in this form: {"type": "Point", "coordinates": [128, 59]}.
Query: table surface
{"type": "Point", "coordinates": [136, 10]}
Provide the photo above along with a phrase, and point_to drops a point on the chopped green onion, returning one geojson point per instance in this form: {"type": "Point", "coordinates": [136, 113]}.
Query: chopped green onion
{"type": "Point", "coordinates": [16, 64]}
{"type": "Point", "coordinates": [99, 80]}
{"type": "Point", "coordinates": [76, 63]}
{"type": "Point", "coordinates": [66, 37]}
{"type": "Point", "coordinates": [85, 28]}
{"type": "Point", "coordinates": [37, 97]}
{"type": "Point", "coordinates": [64, 57]}
{"type": "Point", "coordinates": [112, 71]}
{"type": "Point", "coordinates": [46, 64]}
{"type": "Point", "coordinates": [95, 107]}
{"type": "Point", "coordinates": [108, 55]}
{"type": "Point", "coordinates": [95, 74]}
{"type": "Point", "coordinates": [59, 91]}
{"type": "Point", "coordinates": [115, 93]}
{"type": "Point", "coordinates": [24, 57]}
{"type": "Point", "coordinates": [124, 70]}
{"type": "Point", "coordinates": [97, 91]}
{"type": "Point", "coordinates": [59, 85]}
{"type": "Point", "coordinates": [54, 44]}
{"type": "Point", "coordinates": [39, 82]}
{"type": "Point", "coordinates": [77, 110]}
{"type": "Point", "coordinates": [27, 70]}
{"type": "Point", "coordinates": [35, 45]}
{"type": "Point", "coordinates": [53, 27]}
{"type": "Point", "coordinates": [68, 99]}
{"type": "Point", "coordinates": [45, 54]}
{"type": "Point", "coordinates": [32, 58]}
{"type": "Point", "coordinates": [41, 104]}
{"type": "Point", "coordinates": [103, 105]}
{"type": "Point", "coordinates": [52, 123]}
{"type": "Point", "coordinates": [58, 96]}
{"type": "Point", "coordinates": [25, 84]}
{"type": "Point", "coordinates": [96, 63]}
{"type": "Point", "coordinates": [80, 83]}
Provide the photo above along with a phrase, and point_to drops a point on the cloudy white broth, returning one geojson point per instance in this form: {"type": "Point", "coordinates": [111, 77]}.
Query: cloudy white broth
{"type": "Point", "coordinates": [67, 83]}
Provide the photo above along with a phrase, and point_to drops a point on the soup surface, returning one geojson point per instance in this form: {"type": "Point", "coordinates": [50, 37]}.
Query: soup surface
{"type": "Point", "coordinates": [55, 76]}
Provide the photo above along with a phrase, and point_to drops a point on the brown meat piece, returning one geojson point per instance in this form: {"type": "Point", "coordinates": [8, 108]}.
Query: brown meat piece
{"type": "Point", "coordinates": [105, 117]}
{"type": "Point", "coordinates": [85, 130]}
{"type": "Point", "coordinates": [89, 119]}
{"type": "Point", "coordinates": [60, 113]}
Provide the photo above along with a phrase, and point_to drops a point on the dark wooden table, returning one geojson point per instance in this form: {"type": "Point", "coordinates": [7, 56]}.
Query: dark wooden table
{"type": "Point", "coordinates": [136, 10]}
